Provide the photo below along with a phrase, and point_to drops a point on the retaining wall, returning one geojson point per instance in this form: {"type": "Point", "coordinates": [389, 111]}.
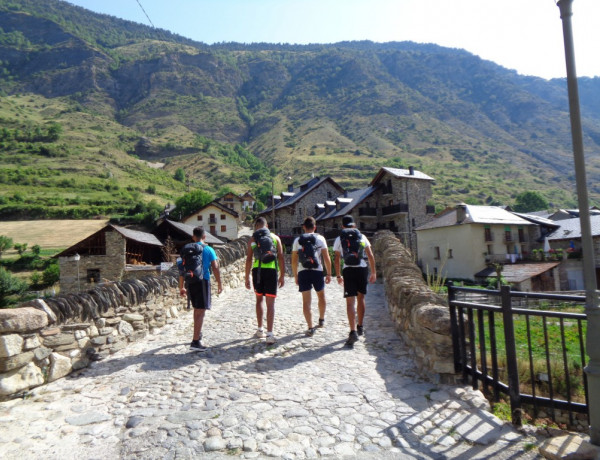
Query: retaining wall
{"type": "Point", "coordinates": [44, 340]}
{"type": "Point", "coordinates": [421, 316]}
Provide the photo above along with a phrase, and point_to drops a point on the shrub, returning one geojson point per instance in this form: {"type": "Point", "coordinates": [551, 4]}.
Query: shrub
{"type": "Point", "coordinates": [51, 274]}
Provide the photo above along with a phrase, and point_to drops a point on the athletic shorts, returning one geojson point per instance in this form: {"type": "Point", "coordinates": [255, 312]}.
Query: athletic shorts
{"type": "Point", "coordinates": [307, 279]}
{"type": "Point", "coordinates": [265, 281]}
{"type": "Point", "coordinates": [200, 294]}
{"type": "Point", "coordinates": [355, 280]}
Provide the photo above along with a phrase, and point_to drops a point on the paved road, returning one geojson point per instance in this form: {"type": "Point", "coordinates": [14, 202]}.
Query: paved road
{"type": "Point", "coordinates": [305, 397]}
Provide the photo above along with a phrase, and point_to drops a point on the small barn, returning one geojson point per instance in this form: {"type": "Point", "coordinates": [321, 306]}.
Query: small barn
{"type": "Point", "coordinates": [181, 234]}
{"type": "Point", "coordinates": [111, 254]}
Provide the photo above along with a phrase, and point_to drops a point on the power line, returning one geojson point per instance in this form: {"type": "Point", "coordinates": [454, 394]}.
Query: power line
{"type": "Point", "coordinates": [148, 17]}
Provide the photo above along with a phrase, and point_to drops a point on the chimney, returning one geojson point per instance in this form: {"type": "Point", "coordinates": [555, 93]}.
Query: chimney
{"type": "Point", "coordinates": [461, 213]}
{"type": "Point", "coordinates": [345, 193]}
{"type": "Point", "coordinates": [290, 187]}
{"type": "Point", "coordinates": [411, 170]}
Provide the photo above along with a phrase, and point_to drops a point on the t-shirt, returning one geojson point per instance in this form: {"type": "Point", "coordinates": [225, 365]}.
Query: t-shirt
{"type": "Point", "coordinates": [337, 247]}
{"type": "Point", "coordinates": [320, 244]}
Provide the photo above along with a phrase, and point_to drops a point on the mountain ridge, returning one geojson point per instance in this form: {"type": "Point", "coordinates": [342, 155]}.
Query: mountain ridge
{"type": "Point", "coordinates": [483, 132]}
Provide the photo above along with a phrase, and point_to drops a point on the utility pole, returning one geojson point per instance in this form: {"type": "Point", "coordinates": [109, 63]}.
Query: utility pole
{"type": "Point", "coordinates": [592, 309]}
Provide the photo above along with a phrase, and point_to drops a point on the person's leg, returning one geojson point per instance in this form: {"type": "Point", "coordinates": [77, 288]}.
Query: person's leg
{"type": "Point", "coordinates": [270, 312]}
{"type": "Point", "coordinates": [306, 304]}
{"type": "Point", "coordinates": [322, 303]}
{"type": "Point", "coordinates": [351, 312]}
{"type": "Point", "coordinates": [198, 322]}
{"type": "Point", "coordinates": [360, 308]}
{"type": "Point", "coordinates": [259, 310]}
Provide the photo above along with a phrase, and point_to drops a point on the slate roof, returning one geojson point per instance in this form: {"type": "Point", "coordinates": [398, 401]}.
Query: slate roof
{"type": "Point", "coordinates": [538, 219]}
{"type": "Point", "coordinates": [571, 229]}
{"type": "Point", "coordinates": [217, 205]}
{"type": "Point", "coordinates": [476, 215]}
{"type": "Point", "coordinates": [302, 190]}
{"type": "Point", "coordinates": [135, 235]}
{"type": "Point", "coordinates": [401, 173]}
{"type": "Point", "coordinates": [189, 230]}
{"type": "Point", "coordinates": [348, 203]}
{"type": "Point", "coordinates": [517, 273]}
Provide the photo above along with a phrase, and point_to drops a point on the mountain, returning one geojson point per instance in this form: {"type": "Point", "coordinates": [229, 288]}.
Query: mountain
{"type": "Point", "coordinates": [133, 104]}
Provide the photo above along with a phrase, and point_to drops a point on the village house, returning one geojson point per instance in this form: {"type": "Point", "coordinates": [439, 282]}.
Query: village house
{"type": "Point", "coordinates": [566, 240]}
{"type": "Point", "coordinates": [180, 234]}
{"type": "Point", "coordinates": [469, 242]}
{"type": "Point", "coordinates": [294, 205]}
{"type": "Point", "coordinates": [217, 219]}
{"type": "Point", "coordinates": [111, 254]}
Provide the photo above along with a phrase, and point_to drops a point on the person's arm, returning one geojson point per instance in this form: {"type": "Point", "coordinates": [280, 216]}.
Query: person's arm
{"type": "Point", "coordinates": [338, 267]}
{"type": "Point", "coordinates": [182, 290]}
{"type": "Point", "coordinates": [295, 265]}
{"type": "Point", "coordinates": [327, 264]}
{"type": "Point", "coordinates": [371, 257]}
{"type": "Point", "coordinates": [281, 262]}
{"type": "Point", "coordinates": [215, 269]}
{"type": "Point", "coordinates": [249, 255]}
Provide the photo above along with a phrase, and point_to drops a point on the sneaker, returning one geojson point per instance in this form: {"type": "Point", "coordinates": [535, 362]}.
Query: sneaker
{"type": "Point", "coordinates": [310, 331]}
{"type": "Point", "coordinates": [360, 330]}
{"type": "Point", "coordinates": [260, 334]}
{"type": "Point", "coordinates": [270, 338]}
{"type": "Point", "coordinates": [352, 339]}
{"type": "Point", "coordinates": [321, 323]}
{"type": "Point", "coordinates": [196, 345]}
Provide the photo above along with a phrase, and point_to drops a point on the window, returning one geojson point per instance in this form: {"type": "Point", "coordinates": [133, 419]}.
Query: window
{"type": "Point", "coordinates": [199, 218]}
{"type": "Point", "coordinates": [450, 254]}
{"type": "Point", "coordinates": [490, 250]}
{"type": "Point", "coordinates": [222, 216]}
{"type": "Point", "coordinates": [223, 228]}
{"type": "Point", "coordinates": [487, 232]}
{"type": "Point", "coordinates": [329, 195]}
{"type": "Point", "coordinates": [436, 253]}
{"type": "Point", "coordinates": [93, 275]}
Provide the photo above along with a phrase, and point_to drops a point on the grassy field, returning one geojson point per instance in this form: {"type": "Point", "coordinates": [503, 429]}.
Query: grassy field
{"type": "Point", "coordinates": [49, 234]}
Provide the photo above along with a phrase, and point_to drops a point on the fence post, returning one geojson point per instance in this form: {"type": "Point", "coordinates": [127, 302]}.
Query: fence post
{"type": "Point", "coordinates": [454, 327]}
{"type": "Point", "coordinates": [511, 356]}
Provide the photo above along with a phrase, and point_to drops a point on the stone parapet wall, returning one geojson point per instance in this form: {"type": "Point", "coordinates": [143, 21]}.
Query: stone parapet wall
{"type": "Point", "coordinates": [44, 340]}
{"type": "Point", "coordinates": [422, 318]}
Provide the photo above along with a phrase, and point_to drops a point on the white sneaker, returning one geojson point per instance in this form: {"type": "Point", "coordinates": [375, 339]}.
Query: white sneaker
{"type": "Point", "coordinates": [270, 338]}
{"type": "Point", "coordinates": [260, 334]}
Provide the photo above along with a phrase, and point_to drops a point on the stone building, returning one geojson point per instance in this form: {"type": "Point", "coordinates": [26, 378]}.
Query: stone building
{"type": "Point", "coordinates": [294, 205]}
{"type": "Point", "coordinates": [111, 254]}
{"type": "Point", "coordinates": [217, 219]}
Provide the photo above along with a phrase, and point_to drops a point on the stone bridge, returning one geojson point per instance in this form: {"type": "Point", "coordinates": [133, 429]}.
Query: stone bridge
{"type": "Point", "coordinates": [305, 397]}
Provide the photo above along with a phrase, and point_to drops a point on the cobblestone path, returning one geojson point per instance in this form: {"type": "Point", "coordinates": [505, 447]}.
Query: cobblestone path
{"type": "Point", "coordinates": [305, 397]}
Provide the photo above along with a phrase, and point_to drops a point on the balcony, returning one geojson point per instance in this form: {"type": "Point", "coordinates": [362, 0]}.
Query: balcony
{"type": "Point", "coordinates": [394, 209]}
{"type": "Point", "coordinates": [212, 220]}
{"type": "Point", "coordinates": [367, 212]}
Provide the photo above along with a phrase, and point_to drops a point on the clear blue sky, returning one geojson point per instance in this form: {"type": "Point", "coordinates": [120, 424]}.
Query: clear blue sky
{"type": "Point", "coordinates": [525, 35]}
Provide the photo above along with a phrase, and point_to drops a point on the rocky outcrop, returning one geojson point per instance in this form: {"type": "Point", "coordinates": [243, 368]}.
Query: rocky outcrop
{"type": "Point", "coordinates": [421, 316]}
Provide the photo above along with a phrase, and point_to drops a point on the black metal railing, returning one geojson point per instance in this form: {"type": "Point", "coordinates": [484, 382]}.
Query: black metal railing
{"type": "Point", "coordinates": [394, 208]}
{"type": "Point", "coordinates": [548, 352]}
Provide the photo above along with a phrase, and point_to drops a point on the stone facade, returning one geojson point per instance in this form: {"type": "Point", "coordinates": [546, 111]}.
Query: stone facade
{"type": "Point", "coordinates": [422, 317]}
{"type": "Point", "coordinates": [410, 196]}
{"type": "Point", "coordinates": [45, 340]}
{"type": "Point", "coordinates": [89, 270]}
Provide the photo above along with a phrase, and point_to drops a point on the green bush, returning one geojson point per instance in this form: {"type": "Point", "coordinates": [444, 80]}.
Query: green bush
{"type": "Point", "coordinates": [51, 274]}
{"type": "Point", "coordinates": [10, 288]}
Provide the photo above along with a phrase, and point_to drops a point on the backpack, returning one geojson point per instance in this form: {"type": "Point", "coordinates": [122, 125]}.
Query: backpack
{"type": "Point", "coordinates": [352, 249]}
{"type": "Point", "coordinates": [265, 251]}
{"type": "Point", "coordinates": [191, 262]}
{"type": "Point", "coordinates": [307, 254]}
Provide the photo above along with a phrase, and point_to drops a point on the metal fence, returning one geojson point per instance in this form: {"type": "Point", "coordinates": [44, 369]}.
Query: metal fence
{"type": "Point", "coordinates": [520, 344]}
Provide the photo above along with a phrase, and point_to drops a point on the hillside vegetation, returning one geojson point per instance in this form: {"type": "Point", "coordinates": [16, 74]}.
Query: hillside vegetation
{"type": "Point", "coordinates": [97, 115]}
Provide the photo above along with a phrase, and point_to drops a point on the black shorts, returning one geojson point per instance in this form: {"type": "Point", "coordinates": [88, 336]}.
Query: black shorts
{"type": "Point", "coordinates": [265, 281]}
{"type": "Point", "coordinates": [307, 279]}
{"type": "Point", "coordinates": [200, 294]}
{"type": "Point", "coordinates": [355, 280]}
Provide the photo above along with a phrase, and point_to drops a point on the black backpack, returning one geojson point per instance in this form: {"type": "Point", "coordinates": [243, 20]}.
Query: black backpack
{"type": "Point", "coordinates": [265, 251]}
{"type": "Point", "coordinates": [307, 254]}
{"type": "Point", "coordinates": [191, 262]}
{"type": "Point", "coordinates": [352, 250]}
